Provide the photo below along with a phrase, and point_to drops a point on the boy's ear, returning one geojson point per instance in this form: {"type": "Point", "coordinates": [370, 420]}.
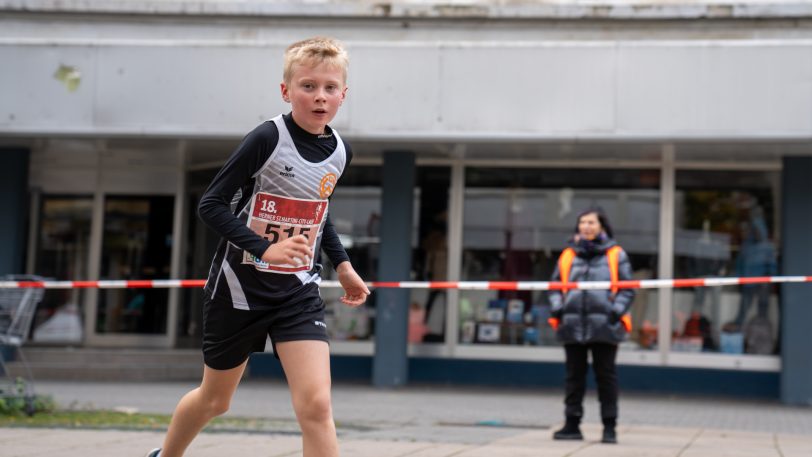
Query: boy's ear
{"type": "Point", "coordinates": [284, 89]}
{"type": "Point", "coordinates": [343, 95]}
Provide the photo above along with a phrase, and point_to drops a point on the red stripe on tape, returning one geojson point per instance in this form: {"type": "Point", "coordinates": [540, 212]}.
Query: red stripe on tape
{"type": "Point", "coordinates": [699, 282]}
{"type": "Point", "coordinates": [502, 285]}
{"type": "Point", "coordinates": [629, 284]}
{"type": "Point", "coordinates": [754, 280]}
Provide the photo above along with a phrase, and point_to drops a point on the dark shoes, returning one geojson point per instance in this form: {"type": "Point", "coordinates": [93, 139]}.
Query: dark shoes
{"type": "Point", "coordinates": [571, 430]}
{"type": "Point", "coordinates": [154, 452]}
{"type": "Point", "coordinates": [609, 436]}
{"type": "Point", "coordinates": [564, 434]}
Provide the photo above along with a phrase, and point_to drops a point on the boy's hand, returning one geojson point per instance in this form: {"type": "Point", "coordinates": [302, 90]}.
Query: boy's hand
{"type": "Point", "coordinates": [292, 251]}
{"type": "Point", "coordinates": [355, 291]}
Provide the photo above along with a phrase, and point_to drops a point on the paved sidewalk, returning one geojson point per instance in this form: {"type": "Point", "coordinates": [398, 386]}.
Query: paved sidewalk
{"type": "Point", "coordinates": [642, 441]}
{"type": "Point", "coordinates": [434, 422]}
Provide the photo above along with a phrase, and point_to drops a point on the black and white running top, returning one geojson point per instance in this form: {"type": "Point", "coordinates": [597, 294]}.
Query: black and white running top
{"type": "Point", "coordinates": [288, 197]}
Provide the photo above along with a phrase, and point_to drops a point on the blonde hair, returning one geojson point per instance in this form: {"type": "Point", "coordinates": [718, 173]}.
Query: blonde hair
{"type": "Point", "coordinates": [314, 51]}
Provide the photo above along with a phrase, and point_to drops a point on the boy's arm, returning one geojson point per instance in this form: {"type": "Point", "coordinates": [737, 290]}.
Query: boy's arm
{"type": "Point", "coordinates": [331, 244]}
{"type": "Point", "coordinates": [355, 290]}
{"type": "Point", "coordinates": [215, 205]}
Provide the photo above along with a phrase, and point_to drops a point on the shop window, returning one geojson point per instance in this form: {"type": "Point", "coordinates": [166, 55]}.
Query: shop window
{"type": "Point", "coordinates": [355, 210]}
{"type": "Point", "coordinates": [726, 224]}
{"type": "Point", "coordinates": [516, 224]}
{"type": "Point", "coordinates": [63, 238]}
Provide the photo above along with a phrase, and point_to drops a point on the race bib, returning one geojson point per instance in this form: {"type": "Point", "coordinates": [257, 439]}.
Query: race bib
{"type": "Point", "coordinates": [278, 218]}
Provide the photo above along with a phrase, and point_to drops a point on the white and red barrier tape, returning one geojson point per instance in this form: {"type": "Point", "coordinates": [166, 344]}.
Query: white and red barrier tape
{"type": "Point", "coordinates": [462, 285]}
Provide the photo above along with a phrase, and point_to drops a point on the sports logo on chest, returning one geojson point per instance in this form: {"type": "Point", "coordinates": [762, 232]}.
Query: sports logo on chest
{"type": "Point", "coordinates": [287, 172]}
{"type": "Point", "coordinates": [327, 184]}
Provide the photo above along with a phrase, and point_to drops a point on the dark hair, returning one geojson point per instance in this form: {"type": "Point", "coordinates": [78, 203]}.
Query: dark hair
{"type": "Point", "coordinates": [602, 218]}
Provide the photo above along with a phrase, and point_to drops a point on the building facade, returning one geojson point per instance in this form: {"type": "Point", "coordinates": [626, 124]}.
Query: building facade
{"type": "Point", "coordinates": [480, 130]}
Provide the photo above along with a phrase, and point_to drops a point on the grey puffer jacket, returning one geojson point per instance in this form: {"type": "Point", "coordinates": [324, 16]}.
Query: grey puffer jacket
{"type": "Point", "coordinates": [592, 316]}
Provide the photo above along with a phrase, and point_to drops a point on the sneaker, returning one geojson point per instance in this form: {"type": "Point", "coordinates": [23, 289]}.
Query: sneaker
{"type": "Point", "coordinates": [154, 452]}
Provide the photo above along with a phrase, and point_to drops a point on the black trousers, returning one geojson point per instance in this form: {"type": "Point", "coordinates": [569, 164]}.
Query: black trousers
{"type": "Point", "coordinates": [603, 363]}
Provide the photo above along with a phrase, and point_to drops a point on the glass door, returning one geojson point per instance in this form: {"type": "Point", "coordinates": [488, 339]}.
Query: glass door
{"type": "Point", "coordinates": [136, 243]}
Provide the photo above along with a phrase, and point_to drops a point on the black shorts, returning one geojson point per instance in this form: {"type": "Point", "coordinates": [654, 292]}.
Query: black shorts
{"type": "Point", "coordinates": [230, 335]}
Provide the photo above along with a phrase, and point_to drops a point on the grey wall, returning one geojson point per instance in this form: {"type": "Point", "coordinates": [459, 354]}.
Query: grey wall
{"type": "Point", "coordinates": [211, 77]}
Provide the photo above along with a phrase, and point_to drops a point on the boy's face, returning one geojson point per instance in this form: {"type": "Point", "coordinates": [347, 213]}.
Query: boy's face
{"type": "Point", "coordinates": [315, 93]}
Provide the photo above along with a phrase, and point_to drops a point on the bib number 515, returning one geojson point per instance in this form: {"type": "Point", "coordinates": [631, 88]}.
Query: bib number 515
{"type": "Point", "coordinates": [275, 233]}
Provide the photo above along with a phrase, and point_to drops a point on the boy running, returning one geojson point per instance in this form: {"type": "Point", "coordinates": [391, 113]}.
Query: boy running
{"type": "Point", "coordinates": [269, 203]}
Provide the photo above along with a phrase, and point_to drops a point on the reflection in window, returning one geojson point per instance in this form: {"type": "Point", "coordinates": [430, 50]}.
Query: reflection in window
{"type": "Point", "coordinates": [428, 308]}
{"type": "Point", "coordinates": [62, 251]}
{"type": "Point", "coordinates": [726, 225]}
{"type": "Point", "coordinates": [137, 244]}
{"type": "Point", "coordinates": [517, 222]}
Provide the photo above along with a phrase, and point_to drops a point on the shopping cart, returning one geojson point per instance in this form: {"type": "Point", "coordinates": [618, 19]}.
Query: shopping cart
{"type": "Point", "coordinates": [17, 309]}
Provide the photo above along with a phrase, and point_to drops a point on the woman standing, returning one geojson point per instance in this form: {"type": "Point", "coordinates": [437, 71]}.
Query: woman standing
{"type": "Point", "coordinates": [591, 320]}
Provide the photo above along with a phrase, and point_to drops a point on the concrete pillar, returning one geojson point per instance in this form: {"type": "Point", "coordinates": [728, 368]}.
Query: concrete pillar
{"type": "Point", "coordinates": [796, 299]}
{"type": "Point", "coordinates": [390, 362]}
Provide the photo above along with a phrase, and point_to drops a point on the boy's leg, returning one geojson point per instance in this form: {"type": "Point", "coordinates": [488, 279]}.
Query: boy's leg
{"type": "Point", "coordinates": [307, 368]}
{"type": "Point", "coordinates": [199, 406]}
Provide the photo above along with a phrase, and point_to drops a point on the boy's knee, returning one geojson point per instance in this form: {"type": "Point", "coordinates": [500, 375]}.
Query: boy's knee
{"type": "Point", "coordinates": [220, 407]}
{"type": "Point", "coordinates": [316, 408]}
{"type": "Point", "coordinates": [217, 406]}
